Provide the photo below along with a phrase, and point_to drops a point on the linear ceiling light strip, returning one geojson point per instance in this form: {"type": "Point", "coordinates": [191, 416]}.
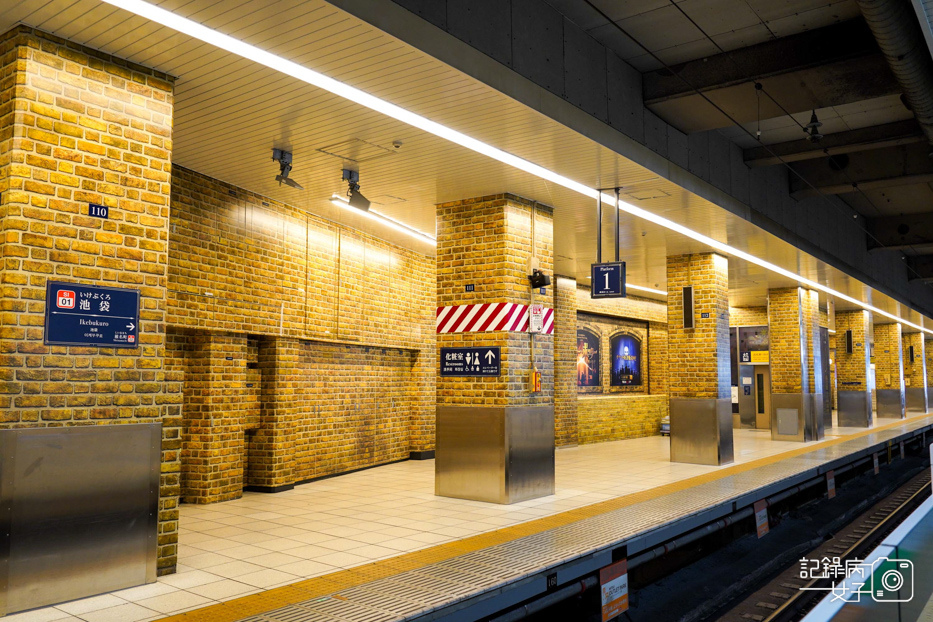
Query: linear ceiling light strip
{"type": "Point", "coordinates": [309, 76]}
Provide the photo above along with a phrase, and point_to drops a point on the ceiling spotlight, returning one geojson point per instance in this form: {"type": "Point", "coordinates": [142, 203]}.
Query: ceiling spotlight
{"type": "Point", "coordinates": [813, 133]}
{"type": "Point", "coordinates": [353, 198]}
{"type": "Point", "coordinates": [284, 158]}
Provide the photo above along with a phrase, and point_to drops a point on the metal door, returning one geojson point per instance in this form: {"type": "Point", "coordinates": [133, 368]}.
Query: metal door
{"type": "Point", "coordinates": [762, 393]}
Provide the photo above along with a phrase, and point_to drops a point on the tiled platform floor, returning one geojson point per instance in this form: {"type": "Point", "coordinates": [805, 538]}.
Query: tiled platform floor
{"type": "Point", "coordinates": [263, 541]}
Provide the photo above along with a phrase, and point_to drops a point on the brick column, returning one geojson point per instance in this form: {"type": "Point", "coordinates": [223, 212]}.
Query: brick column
{"type": "Point", "coordinates": [854, 406]}
{"type": "Point", "coordinates": [889, 371]}
{"type": "Point", "coordinates": [565, 362]}
{"type": "Point", "coordinates": [928, 360]}
{"type": "Point", "coordinates": [214, 416]}
{"type": "Point", "coordinates": [915, 374]}
{"type": "Point", "coordinates": [82, 127]}
{"type": "Point", "coordinates": [700, 400]}
{"type": "Point", "coordinates": [271, 448]}
{"type": "Point", "coordinates": [486, 242]}
{"type": "Point", "coordinates": [796, 365]}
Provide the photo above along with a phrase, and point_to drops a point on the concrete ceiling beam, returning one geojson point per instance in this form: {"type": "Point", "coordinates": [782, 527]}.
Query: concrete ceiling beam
{"type": "Point", "coordinates": [868, 170]}
{"type": "Point", "coordinates": [863, 139]}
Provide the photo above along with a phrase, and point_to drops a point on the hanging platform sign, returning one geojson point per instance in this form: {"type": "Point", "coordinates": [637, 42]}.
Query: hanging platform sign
{"type": "Point", "coordinates": [471, 361]}
{"type": "Point", "coordinates": [607, 280]}
{"type": "Point", "coordinates": [88, 315]}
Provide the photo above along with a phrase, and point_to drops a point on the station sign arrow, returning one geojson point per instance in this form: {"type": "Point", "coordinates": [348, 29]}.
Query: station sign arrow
{"type": "Point", "coordinates": [490, 357]}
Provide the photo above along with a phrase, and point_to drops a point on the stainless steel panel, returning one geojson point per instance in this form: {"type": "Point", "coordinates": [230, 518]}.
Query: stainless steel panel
{"type": "Point", "coordinates": [854, 410]}
{"type": "Point", "coordinates": [788, 423]}
{"type": "Point", "coordinates": [890, 403]}
{"type": "Point", "coordinates": [530, 467]}
{"type": "Point", "coordinates": [701, 430]}
{"type": "Point", "coordinates": [808, 409]}
{"type": "Point", "coordinates": [747, 402]}
{"type": "Point", "coordinates": [498, 455]}
{"type": "Point", "coordinates": [916, 401]}
{"type": "Point", "coordinates": [79, 512]}
{"type": "Point", "coordinates": [826, 402]}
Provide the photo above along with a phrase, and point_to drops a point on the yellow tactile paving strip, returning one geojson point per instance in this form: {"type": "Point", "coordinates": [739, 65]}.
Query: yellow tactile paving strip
{"type": "Point", "coordinates": [254, 604]}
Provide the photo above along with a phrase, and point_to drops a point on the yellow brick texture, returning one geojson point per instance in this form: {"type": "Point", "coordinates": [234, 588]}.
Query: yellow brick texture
{"type": "Point", "coordinates": [486, 242]}
{"type": "Point", "coordinates": [79, 127]}
{"type": "Point", "coordinates": [565, 362]}
{"type": "Point", "coordinates": [341, 326]}
{"type": "Point", "coordinates": [852, 369]}
{"type": "Point", "coordinates": [915, 372]}
{"type": "Point", "coordinates": [617, 417]}
{"type": "Point", "coordinates": [889, 362]}
{"type": "Point", "coordinates": [795, 355]}
{"type": "Point", "coordinates": [748, 316]}
{"type": "Point", "coordinates": [699, 356]}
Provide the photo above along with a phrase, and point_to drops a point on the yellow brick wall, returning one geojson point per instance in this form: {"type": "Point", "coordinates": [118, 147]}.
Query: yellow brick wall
{"type": "Point", "coordinates": [785, 325]}
{"type": "Point", "coordinates": [915, 373]}
{"type": "Point", "coordinates": [79, 126]}
{"type": "Point", "coordinates": [616, 417]}
{"type": "Point", "coordinates": [700, 355]}
{"type": "Point", "coordinates": [565, 362]}
{"type": "Point", "coordinates": [336, 317]}
{"type": "Point", "coordinates": [852, 369]}
{"type": "Point", "coordinates": [889, 363]}
{"type": "Point", "coordinates": [486, 242]}
{"type": "Point", "coordinates": [748, 316]}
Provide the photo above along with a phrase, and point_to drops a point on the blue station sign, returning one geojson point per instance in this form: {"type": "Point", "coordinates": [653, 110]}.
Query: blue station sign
{"type": "Point", "coordinates": [607, 280]}
{"type": "Point", "coordinates": [471, 361]}
{"type": "Point", "coordinates": [88, 315]}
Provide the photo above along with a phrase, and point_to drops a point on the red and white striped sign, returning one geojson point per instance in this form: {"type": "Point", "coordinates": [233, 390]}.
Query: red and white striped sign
{"type": "Point", "coordinates": [493, 316]}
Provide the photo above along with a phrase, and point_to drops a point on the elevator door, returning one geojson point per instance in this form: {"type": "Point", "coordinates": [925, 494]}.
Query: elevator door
{"type": "Point", "coordinates": [762, 391]}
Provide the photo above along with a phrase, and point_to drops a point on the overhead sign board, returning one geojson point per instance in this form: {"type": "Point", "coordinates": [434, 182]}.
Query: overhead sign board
{"type": "Point", "coordinates": [607, 280]}
{"type": "Point", "coordinates": [471, 361]}
{"type": "Point", "coordinates": [88, 315]}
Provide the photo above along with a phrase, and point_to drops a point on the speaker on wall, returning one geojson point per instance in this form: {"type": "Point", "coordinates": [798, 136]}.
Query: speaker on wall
{"type": "Point", "coordinates": [848, 342]}
{"type": "Point", "coordinates": [910, 353]}
{"type": "Point", "coordinates": [688, 307]}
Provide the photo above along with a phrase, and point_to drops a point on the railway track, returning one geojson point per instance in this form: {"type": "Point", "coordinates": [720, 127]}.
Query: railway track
{"type": "Point", "coordinates": [784, 600]}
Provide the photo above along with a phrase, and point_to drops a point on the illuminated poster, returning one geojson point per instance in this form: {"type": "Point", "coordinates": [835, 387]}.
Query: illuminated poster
{"type": "Point", "coordinates": [754, 344]}
{"type": "Point", "coordinates": [587, 358]}
{"type": "Point", "coordinates": [625, 357]}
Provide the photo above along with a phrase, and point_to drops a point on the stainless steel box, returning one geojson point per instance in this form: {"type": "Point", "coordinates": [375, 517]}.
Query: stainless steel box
{"type": "Point", "coordinates": [499, 455]}
{"type": "Point", "coordinates": [78, 512]}
{"type": "Point", "coordinates": [701, 430]}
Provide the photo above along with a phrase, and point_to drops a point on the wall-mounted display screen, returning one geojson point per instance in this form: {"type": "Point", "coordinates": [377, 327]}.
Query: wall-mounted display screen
{"type": "Point", "coordinates": [587, 358]}
{"type": "Point", "coordinates": [754, 344]}
{"type": "Point", "coordinates": [625, 357]}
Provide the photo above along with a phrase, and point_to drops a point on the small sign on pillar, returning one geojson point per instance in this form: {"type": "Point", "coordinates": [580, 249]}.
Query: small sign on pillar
{"type": "Point", "coordinates": [875, 461]}
{"type": "Point", "coordinates": [831, 483]}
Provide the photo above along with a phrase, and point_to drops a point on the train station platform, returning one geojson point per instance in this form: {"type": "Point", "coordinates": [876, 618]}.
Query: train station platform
{"type": "Point", "coordinates": [379, 545]}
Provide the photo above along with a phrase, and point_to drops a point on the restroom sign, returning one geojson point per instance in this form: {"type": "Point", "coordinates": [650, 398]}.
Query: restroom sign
{"type": "Point", "coordinates": [471, 361]}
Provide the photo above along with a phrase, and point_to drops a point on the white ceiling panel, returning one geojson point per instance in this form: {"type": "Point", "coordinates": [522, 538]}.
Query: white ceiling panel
{"type": "Point", "coordinates": [230, 112]}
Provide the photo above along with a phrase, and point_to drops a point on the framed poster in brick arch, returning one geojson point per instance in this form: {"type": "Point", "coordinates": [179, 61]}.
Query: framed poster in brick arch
{"type": "Point", "coordinates": [588, 358]}
{"type": "Point", "coordinates": [625, 356]}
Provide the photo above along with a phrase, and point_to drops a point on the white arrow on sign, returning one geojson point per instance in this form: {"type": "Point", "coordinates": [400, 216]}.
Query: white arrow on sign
{"type": "Point", "coordinates": [131, 326]}
{"type": "Point", "coordinates": [489, 356]}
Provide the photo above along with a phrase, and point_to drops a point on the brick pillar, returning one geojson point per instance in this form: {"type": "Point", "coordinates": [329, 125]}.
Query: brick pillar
{"type": "Point", "coordinates": [565, 362]}
{"type": "Point", "coordinates": [915, 374]}
{"type": "Point", "coordinates": [214, 417]}
{"type": "Point", "coordinates": [486, 242]}
{"type": "Point", "coordinates": [796, 365]}
{"type": "Point", "coordinates": [80, 127]}
{"type": "Point", "coordinates": [928, 360]}
{"type": "Point", "coordinates": [889, 371]}
{"type": "Point", "coordinates": [700, 394]}
{"type": "Point", "coordinates": [271, 448]}
{"type": "Point", "coordinates": [854, 404]}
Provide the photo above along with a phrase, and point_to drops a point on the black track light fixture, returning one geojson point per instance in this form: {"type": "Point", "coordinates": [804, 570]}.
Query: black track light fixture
{"type": "Point", "coordinates": [284, 158]}
{"type": "Point", "coordinates": [354, 198]}
{"type": "Point", "coordinates": [812, 129]}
